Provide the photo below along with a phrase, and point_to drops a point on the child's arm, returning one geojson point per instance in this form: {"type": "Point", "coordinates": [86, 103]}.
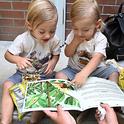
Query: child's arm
{"type": "Point", "coordinates": [51, 64]}
{"type": "Point", "coordinates": [21, 62]}
{"type": "Point", "coordinates": [71, 48]}
{"type": "Point", "coordinates": [81, 77]}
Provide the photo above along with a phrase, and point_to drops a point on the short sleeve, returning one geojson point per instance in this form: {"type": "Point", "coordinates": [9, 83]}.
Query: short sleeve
{"type": "Point", "coordinates": [16, 47]}
{"type": "Point", "coordinates": [55, 46]}
{"type": "Point", "coordinates": [100, 43]}
{"type": "Point", "coordinates": [70, 37]}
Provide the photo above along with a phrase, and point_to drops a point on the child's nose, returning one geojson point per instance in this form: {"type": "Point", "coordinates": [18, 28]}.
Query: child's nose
{"type": "Point", "coordinates": [80, 33]}
{"type": "Point", "coordinates": [47, 36]}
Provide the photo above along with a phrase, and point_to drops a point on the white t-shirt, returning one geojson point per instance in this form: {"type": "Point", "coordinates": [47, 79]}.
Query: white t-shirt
{"type": "Point", "coordinates": [26, 45]}
{"type": "Point", "coordinates": [85, 50]}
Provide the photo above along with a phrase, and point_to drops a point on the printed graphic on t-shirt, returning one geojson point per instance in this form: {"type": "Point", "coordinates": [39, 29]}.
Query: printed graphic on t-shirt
{"type": "Point", "coordinates": [83, 57]}
{"type": "Point", "coordinates": [38, 64]}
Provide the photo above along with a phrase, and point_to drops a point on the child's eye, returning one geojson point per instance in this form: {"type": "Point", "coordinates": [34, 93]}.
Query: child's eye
{"type": "Point", "coordinates": [52, 32]}
{"type": "Point", "coordinates": [41, 32]}
{"type": "Point", "coordinates": [75, 29]}
{"type": "Point", "coordinates": [85, 30]}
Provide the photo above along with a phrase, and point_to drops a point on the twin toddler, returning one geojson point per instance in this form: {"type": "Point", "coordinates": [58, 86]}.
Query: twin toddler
{"type": "Point", "coordinates": [38, 49]}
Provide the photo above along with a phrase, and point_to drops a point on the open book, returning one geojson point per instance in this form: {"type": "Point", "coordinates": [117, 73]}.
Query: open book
{"type": "Point", "coordinates": [47, 94]}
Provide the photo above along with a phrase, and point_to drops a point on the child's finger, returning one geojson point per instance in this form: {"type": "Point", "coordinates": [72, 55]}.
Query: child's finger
{"type": "Point", "coordinates": [29, 63]}
{"type": "Point", "coordinates": [75, 83]}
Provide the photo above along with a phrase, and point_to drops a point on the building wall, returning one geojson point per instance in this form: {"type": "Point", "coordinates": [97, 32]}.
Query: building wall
{"type": "Point", "coordinates": [12, 15]}
{"type": "Point", "coordinates": [107, 7]}
{"type": "Point", "coordinates": [13, 12]}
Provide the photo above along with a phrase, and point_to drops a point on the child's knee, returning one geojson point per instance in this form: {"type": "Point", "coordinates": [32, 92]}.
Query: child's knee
{"type": "Point", "coordinates": [7, 85]}
{"type": "Point", "coordinates": [60, 75]}
{"type": "Point", "coordinates": [114, 77]}
{"type": "Point", "coordinates": [6, 121]}
{"type": "Point", "coordinates": [115, 74]}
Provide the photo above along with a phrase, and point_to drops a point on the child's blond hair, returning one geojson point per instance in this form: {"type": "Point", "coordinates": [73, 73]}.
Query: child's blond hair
{"type": "Point", "coordinates": [85, 8]}
{"type": "Point", "coordinates": [40, 11]}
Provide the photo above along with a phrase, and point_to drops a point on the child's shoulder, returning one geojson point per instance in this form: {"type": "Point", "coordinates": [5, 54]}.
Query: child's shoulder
{"type": "Point", "coordinates": [99, 35]}
{"type": "Point", "coordinates": [21, 36]}
{"type": "Point", "coordinates": [24, 37]}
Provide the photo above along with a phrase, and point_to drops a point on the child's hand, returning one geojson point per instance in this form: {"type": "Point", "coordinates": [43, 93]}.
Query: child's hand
{"type": "Point", "coordinates": [50, 67]}
{"type": "Point", "coordinates": [79, 79]}
{"type": "Point", "coordinates": [78, 39]}
{"type": "Point", "coordinates": [23, 62]}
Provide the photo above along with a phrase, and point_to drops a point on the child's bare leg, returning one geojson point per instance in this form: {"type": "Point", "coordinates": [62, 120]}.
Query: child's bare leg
{"type": "Point", "coordinates": [7, 104]}
{"type": "Point", "coordinates": [36, 117]}
{"type": "Point", "coordinates": [114, 77]}
{"type": "Point", "coordinates": [61, 75]}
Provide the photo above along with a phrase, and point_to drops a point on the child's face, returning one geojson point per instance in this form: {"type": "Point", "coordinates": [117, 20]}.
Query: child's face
{"type": "Point", "coordinates": [84, 28]}
{"type": "Point", "coordinates": [45, 31]}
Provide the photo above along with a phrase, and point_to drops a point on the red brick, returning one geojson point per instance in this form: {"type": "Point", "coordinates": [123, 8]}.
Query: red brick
{"type": "Point", "coordinates": [19, 22]}
{"type": "Point", "coordinates": [119, 5]}
{"type": "Point", "coordinates": [110, 9]}
{"type": "Point", "coordinates": [11, 30]}
{"type": "Point", "coordinates": [7, 37]}
{"type": "Point", "coordinates": [11, 14]}
{"type": "Point", "coordinates": [68, 16]}
{"type": "Point", "coordinates": [68, 8]}
{"type": "Point", "coordinates": [106, 2]}
{"type": "Point", "coordinates": [104, 17]}
{"type": "Point", "coordinates": [70, 1]}
{"type": "Point", "coordinates": [6, 22]}
{"type": "Point", "coordinates": [120, 1]}
{"type": "Point", "coordinates": [5, 5]}
{"type": "Point", "coordinates": [23, 0]}
{"type": "Point", "coordinates": [67, 31]}
{"type": "Point", "coordinates": [20, 5]}
{"type": "Point", "coordinates": [68, 24]}
{"type": "Point", "coordinates": [16, 12]}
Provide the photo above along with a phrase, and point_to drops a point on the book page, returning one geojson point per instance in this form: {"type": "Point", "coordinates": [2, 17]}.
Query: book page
{"type": "Point", "coordinates": [47, 94]}
{"type": "Point", "coordinates": [98, 90]}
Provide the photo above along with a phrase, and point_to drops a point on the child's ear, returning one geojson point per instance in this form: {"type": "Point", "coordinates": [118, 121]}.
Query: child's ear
{"type": "Point", "coordinates": [99, 24]}
{"type": "Point", "coordinates": [28, 25]}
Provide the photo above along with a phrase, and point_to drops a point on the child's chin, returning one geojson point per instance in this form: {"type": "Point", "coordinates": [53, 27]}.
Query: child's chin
{"type": "Point", "coordinates": [43, 42]}
{"type": "Point", "coordinates": [88, 39]}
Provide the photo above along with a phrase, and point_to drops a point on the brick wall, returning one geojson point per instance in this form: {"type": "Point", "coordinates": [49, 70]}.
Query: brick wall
{"type": "Point", "coordinates": [13, 12]}
{"type": "Point", "coordinates": [12, 15]}
{"type": "Point", "coordinates": [107, 7]}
